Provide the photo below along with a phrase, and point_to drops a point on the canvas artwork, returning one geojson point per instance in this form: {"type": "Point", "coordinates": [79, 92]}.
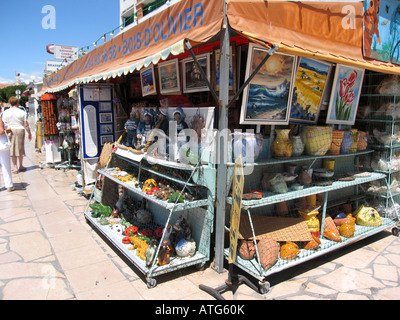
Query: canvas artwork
{"type": "Point", "coordinates": [147, 80]}
{"type": "Point", "coordinates": [193, 80]}
{"type": "Point", "coordinates": [232, 68]}
{"type": "Point", "coordinates": [308, 90]}
{"type": "Point", "coordinates": [266, 100]}
{"type": "Point", "coordinates": [381, 34]}
{"type": "Point", "coordinates": [345, 95]}
{"type": "Point", "coordinates": [169, 77]}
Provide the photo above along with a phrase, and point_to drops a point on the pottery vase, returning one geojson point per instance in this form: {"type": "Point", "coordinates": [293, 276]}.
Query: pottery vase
{"type": "Point", "coordinates": [298, 146]}
{"type": "Point", "coordinates": [354, 142]}
{"type": "Point", "coordinates": [318, 140]}
{"type": "Point", "coordinates": [337, 139]}
{"type": "Point", "coordinates": [362, 141]}
{"type": "Point", "coordinates": [346, 143]}
{"type": "Point", "coordinates": [282, 146]}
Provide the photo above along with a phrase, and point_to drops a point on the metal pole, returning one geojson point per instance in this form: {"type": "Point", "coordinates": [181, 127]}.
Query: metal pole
{"type": "Point", "coordinates": [222, 140]}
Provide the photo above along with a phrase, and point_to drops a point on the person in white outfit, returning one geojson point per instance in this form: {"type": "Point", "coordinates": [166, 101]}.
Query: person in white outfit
{"type": "Point", "coordinates": [5, 158]}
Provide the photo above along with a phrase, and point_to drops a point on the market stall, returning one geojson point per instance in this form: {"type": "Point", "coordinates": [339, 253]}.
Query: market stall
{"type": "Point", "coordinates": [295, 73]}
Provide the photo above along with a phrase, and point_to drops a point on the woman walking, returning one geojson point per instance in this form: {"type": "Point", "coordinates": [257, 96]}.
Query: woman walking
{"type": "Point", "coordinates": [16, 120]}
{"type": "Point", "coordinates": [5, 158]}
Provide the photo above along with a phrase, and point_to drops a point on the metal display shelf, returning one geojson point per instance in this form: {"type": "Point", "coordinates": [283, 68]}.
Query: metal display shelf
{"type": "Point", "coordinates": [271, 161]}
{"type": "Point", "coordinates": [271, 198]}
{"type": "Point", "coordinates": [255, 269]}
{"type": "Point", "coordinates": [198, 213]}
{"type": "Point", "coordinates": [164, 204]}
{"type": "Point", "coordinates": [175, 264]}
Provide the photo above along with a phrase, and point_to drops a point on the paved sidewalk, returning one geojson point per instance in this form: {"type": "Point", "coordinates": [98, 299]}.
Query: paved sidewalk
{"type": "Point", "coordinates": [48, 251]}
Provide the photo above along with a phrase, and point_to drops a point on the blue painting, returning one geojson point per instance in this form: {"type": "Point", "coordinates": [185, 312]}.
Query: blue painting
{"type": "Point", "coordinates": [311, 78]}
{"type": "Point", "coordinates": [266, 99]}
{"type": "Point", "coordinates": [381, 33]}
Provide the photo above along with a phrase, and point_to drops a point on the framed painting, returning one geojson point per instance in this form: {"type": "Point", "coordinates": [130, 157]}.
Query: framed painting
{"type": "Point", "coordinates": [346, 90]}
{"type": "Point", "coordinates": [147, 81]}
{"type": "Point", "coordinates": [308, 90]}
{"type": "Point", "coordinates": [106, 117]}
{"type": "Point", "coordinates": [267, 98]}
{"type": "Point", "coordinates": [193, 80]}
{"type": "Point", "coordinates": [232, 68]}
{"type": "Point", "coordinates": [169, 80]}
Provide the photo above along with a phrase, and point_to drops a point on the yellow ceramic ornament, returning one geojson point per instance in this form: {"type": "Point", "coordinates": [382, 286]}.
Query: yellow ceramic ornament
{"type": "Point", "coordinates": [289, 250]}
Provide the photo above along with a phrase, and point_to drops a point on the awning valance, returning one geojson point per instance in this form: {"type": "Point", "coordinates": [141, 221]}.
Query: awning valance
{"type": "Point", "coordinates": [153, 39]}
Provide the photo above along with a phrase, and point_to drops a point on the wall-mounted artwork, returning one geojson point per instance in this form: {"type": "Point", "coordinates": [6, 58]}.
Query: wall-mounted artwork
{"type": "Point", "coordinates": [308, 90]}
{"type": "Point", "coordinates": [346, 90]}
{"type": "Point", "coordinates": [169, 79]}
{"type": "Point", "coordinates": [266, 100]}
{"type": "Point", "coordinates": [147, 81]}
{"type": "Point", "coordinates": [193, 80]}
{"type": "Point", "coordinates": [232, 68]}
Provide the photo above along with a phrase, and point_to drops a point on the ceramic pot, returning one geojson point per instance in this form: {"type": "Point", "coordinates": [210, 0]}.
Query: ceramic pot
{"type": "Point", "coordinates": [289, 250]}
{"type": "Point", "coordinates": [318, 140]}
{"type": "Point", "coordinates": [281, 209]}
{"type": "Point", "coordinates": [311, 220]}
{"type": "Point", "coordinates": [362, 141]}
{"type": "Point", "coordinates": [354, 142]}
{"type": "Point", "coordinates": [337, 139]}
{"type": "Point", "coordinates": [282, 146]}
{"type": "Point", "coordinates": [346, 144]}
{"type": "Point", "coordinates": [249, 145]}
{"type": "Point", "coordinates": [298, 146]}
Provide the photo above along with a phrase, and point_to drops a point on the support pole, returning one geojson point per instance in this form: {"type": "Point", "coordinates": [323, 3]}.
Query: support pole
{"type": "Point", "coordinates": [222, 140]}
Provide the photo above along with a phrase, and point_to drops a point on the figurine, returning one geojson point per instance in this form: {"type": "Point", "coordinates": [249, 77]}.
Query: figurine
{"type": "Point", "coordinates": [150, 253]}
{"type": "Point", "coordinates": [179, 118]}
{"type": "Point", "coordinates": [131, 126]}
{"type": "Point", "coordinates": [145, 127]}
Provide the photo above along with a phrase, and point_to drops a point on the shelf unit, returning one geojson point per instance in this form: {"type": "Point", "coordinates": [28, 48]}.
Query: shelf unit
{"type": "Point", "coordinates": [198, 213]}
{"type": "Point", "coordinates": [253, 267]}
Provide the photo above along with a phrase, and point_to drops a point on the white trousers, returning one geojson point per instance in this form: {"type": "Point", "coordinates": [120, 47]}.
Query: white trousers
{"type": "Point", "coordinates": [5, 164]}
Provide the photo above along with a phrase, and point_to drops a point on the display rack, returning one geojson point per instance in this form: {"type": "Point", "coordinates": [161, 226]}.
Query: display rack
{"type": "Point", "coordinates": [199, 213]}
{"type": "Point", "coordinates": [261, 205]}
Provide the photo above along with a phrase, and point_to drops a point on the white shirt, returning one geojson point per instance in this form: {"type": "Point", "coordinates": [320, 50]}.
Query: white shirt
{"type": "Point", "coordinates": [14, 118]}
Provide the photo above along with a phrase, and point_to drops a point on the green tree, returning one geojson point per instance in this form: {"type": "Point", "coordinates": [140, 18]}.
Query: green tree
{"type": "Point", "coordinates": [7, 92]}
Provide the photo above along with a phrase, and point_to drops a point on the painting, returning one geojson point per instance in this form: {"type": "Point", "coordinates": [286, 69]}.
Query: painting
{"type": "Point", "coordinates": [193, 80]}
{"type": "Point", "coordinates": [106, 117]}
{"type": "Point", "coordinates": [169, 80]}
{"type": "Point", "coordinates": [147, 81]}
{"type": "Point", "coordinates": [308, 90]}
{"type": "Point", "coordinates": [232, 68]}
{"type": "Point", "coordinates": [381, 30]}
{"type": "Point", "coordinates": [266, 100]}
{"type": "Point", "coordinates": [105, 139]}
{"type": "Point", "coordinates": [345, 95]}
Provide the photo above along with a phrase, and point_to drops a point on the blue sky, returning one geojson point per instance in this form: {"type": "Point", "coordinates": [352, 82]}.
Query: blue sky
{"type": "Point", "coordinates": [24, 40]}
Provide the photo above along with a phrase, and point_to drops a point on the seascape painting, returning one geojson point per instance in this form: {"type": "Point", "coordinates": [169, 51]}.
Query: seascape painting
{"type": "Point", "coordinates": [193, 80]}
{"type": "Point", "coordinates": [346, 90]}
{"type": "Point", "coordinates": [308, 90]}
{"type": "Point", "coordinates": [169, 77]}
{"type": "Point", "coordinates": [266, 99]}
{"type": "Point", "coordinates": [147, 81]}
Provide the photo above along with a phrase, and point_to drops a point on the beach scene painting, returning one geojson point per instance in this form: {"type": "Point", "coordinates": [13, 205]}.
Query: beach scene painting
{"type": "Point", "coordinates": [308, 90]}
{"type": "Point", "coordinates": [266, 100]}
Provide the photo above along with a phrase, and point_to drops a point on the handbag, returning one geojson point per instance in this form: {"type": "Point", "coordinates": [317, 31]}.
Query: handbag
{"type": "Point", "coordinates": [4, 146]}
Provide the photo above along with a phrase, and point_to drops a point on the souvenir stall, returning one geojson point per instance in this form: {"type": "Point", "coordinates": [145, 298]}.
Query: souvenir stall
{"type": "Point", "coordinates": [304, 167]}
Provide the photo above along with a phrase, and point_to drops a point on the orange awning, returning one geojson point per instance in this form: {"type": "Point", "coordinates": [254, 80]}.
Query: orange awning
{"type": "Point", "coordinates": [153, 39]}
{"type": "Point", "coordinates": [331, 31]}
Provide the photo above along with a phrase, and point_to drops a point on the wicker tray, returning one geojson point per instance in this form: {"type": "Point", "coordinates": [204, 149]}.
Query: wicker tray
{"type": "Point", "coordinates": [277, 228]}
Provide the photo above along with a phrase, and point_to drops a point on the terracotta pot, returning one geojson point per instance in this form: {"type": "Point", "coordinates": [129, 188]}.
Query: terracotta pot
{"type": "Point", "coordinates": [282, 146]}
{"type": "Point", "coordinates": [337, 139]}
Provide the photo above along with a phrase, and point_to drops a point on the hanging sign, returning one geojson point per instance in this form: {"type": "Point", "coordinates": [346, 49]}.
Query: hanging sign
{"type": "Point", "coordinates": [237, 192]}
{"type": "Point", "coordinates": [65, 52]}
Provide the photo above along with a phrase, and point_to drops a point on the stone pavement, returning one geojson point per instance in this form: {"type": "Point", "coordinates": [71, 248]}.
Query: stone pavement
{"type": "Point", "coordinates": [49, 252]}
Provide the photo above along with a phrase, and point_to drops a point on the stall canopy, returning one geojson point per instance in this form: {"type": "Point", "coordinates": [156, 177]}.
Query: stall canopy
{"type": "Point", "coordinates": [330, 31]}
